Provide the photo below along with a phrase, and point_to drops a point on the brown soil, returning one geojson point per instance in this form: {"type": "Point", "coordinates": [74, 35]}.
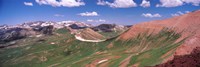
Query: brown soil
{"type": "Point", "coordinates": [110, 45]}
{"type": "Point", "coordinates": [125, 62]}
{"type": "Point", "coordinates": [43, 59]}
{"type": "Point", "coordinates": [136, 65]}
{"type": "Point", "coordinates": [99, 52]}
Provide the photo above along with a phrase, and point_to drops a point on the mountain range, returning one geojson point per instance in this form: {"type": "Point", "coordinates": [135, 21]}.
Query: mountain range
{"type": "Point", "coordinates": [173, 42]}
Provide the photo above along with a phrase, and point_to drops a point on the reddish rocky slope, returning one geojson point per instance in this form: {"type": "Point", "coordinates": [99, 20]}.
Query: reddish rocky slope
{"type": "Point", "coordinates": [188, 24]}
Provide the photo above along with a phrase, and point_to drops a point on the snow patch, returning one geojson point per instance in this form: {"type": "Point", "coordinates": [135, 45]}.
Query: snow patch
{"type": "Point", "coordinates": [102, 61]}
{"type": "Point", "coordinates": [82, 39]}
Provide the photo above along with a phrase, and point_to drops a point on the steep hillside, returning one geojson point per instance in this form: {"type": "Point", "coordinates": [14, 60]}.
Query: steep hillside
{"type": "Point", "coordinates": [188, 25]}
{"type": "Point", "coordinates": [89, 35]}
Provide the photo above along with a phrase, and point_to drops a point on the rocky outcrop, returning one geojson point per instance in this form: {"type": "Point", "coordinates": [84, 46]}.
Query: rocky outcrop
{"type": "Point", "coordinates": [15, 33]}
{"type": "Point", "coordinates": [47, 30]}
{"type": "Point", "coordinates": [7, 35]}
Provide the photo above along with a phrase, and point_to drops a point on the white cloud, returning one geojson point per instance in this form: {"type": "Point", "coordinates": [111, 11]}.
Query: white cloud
{"type": "Point", "coordinates": [101, 2]}
{"type": "Point", "coordinates": [89, 14]}
{"type": "Point", "coordinates": [28, 3]}
{"type": "Point", "coordinates": [145, 3]}
{"type": "Point", "coordinates": [48, 2]}
{"type": "Point", "coordinates": [71, 3]}
{"type": "Point", "coordinates": [59, 15]}
{"type": "Point", "coordinates": [187, 11]}
{"type": "Point", "coordinates": [175, 3]}
{"type": "Point", "coordinates": [64, 3]}
{"type": "Point", "coordinates": [118, 3]}
{"type": "Point", "coordinates": [149, 15]}
{"type": "Point", "coordinates": [89, 20]}
{"type": "Point", "coordinates": [179, 13]}
{"type": "Point", "coordinates": [99, 20]}
{"type": "Point", "coordinates": [170, 3]}
{"type": "Point", "coordinates": [193, 2]}
{"type": "Point", "coordinates": [175, 14]}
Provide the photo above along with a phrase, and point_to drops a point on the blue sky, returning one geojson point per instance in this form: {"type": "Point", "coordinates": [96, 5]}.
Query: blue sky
{"type": "Point", "coordinates": [125, 12]}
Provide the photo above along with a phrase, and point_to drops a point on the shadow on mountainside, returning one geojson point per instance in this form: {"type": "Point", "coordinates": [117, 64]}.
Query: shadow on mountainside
{"type": "Point", "coordinates": [191, 60]}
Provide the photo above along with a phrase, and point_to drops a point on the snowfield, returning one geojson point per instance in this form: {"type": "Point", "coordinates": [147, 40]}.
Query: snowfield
{"type": "Point", "coordinates": [82, 39]}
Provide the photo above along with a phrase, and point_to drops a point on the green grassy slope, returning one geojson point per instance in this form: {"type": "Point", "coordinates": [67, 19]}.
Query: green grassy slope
{"type": "Point", "coordinates": [144, 50]}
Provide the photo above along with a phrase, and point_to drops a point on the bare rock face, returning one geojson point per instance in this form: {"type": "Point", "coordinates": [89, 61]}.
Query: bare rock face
{"type": "Point", "coordinates": [13, 34]}
{"type": "Point", "coordinates": [188, 25]}
{"type": "Point", "coordinates": [9, 35]}
{"type": "Point", "coordinates": [48, 30]}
